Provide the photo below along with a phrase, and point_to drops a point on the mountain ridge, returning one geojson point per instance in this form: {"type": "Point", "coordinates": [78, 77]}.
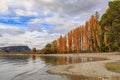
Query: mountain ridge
{"type": "Point", "coordinates": [10, 49]}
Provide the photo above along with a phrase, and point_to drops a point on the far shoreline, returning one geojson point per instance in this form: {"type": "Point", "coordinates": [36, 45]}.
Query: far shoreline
{"type": "Point", "coordinates": [60, 54]}
{"type": "Point", "coordinates": [64, 54]}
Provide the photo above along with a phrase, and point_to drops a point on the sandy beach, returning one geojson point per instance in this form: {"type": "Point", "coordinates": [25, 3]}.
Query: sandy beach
{"type": "Point", "coordinates": [93, 69]}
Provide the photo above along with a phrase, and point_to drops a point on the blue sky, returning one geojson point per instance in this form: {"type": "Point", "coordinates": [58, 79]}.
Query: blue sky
{"type": "Point", "coordinates": [37, 22]}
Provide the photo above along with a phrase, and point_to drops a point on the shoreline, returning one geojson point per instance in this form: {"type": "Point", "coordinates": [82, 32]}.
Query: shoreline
{"type": "Point", "coordinates": [90, 69]}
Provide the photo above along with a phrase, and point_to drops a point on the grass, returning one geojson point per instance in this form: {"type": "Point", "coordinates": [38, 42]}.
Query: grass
{"type": "Point", "coordinates": [113, 66]}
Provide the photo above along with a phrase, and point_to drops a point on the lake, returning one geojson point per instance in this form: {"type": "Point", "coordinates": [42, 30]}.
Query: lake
{"type": "Point", "coordinates": [24, 67]}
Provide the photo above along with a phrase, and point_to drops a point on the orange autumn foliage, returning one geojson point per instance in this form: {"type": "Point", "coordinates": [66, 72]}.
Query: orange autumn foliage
{"type": "Point", "coordinates": [83, 38]}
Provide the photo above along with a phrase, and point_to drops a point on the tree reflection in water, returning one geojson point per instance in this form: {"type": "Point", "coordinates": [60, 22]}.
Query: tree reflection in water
{"type": "Point", "coordinates": [68, 60]}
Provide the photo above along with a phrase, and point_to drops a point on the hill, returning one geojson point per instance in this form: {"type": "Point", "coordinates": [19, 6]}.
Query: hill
{"type": "Point", "coordinates": [11, 49]}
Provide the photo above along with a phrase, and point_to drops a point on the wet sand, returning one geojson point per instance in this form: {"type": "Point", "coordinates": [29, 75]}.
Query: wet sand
{"type": "Point", "coordinates": [93, 69]}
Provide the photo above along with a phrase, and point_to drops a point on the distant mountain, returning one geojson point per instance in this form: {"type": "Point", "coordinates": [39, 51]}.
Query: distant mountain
{"type": "Point", "coordinates": [11, 49]}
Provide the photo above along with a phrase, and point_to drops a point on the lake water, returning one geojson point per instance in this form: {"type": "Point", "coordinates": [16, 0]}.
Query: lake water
{"type": "Point", "coordinates": [35, 67]}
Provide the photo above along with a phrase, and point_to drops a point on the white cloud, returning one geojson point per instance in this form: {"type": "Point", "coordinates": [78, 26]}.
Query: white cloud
{"type": "Point", "coordinates": [7, 27]}
{"type": "Point", "coordinates": [48, 1]}
{"type": "Point", "coordinates": [21, 12]}
{"type": "Point", "coordinates": [55, 20]}
{"type": "Point", "coordinates": [63, 24]}
{"type": "Point", "coordinates": [3, 6]}
{"type": "Point", "coordinates": [35, 21]}
{"type": "Point", "coordinates": [9, 36]}
{"type": "Point", "coordinates": [71, 7]}
{"type": "Point", "coordinates": [28, 4]}
{"type": "Point", "coordinates": [32, 39]}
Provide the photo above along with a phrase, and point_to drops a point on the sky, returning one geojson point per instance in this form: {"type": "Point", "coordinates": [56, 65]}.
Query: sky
{"type": "Point", "coordinates": [37, 22]}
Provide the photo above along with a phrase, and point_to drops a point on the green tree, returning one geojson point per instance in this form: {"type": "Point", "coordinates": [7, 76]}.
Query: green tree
{"type": "Point", "coordinates": [54, 46]}
{"type": "Point", "coordinates": [111, 20]}
{"type": "Point", "coordinates": [46, 49]}
{"type": "Point", "coordinates": [34, 50]}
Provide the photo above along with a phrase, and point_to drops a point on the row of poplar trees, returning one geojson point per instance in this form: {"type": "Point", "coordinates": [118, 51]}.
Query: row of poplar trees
{"type": "Point", "coordinates": [85, 38]}
{"type": "Point", "coordinates": [94, 36]}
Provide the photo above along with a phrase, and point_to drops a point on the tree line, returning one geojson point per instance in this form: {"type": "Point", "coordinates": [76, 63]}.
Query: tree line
{"type": "Point", "coordinates": [85, 38]}
{"type": "Point", "coordinates": [94, 36]}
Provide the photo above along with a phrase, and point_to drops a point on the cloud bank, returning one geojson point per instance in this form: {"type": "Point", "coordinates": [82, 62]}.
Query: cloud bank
{"type": "Point", "coordinates": [38, 22]}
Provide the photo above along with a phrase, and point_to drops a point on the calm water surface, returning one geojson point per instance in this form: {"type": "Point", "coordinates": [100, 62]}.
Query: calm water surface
{"type": "Point", "coordinates": [35, 67]}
